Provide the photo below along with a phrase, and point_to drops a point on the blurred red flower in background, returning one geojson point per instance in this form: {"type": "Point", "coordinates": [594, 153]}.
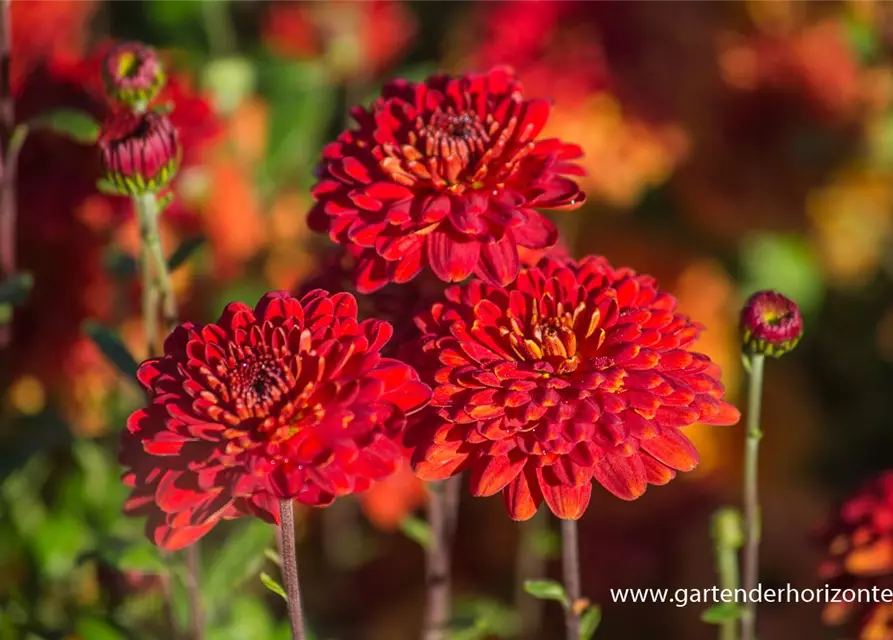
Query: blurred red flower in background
{"type": "Point", "coordinates": [44, 30]}
{"type": "Point", "coordinates": [62, 219]}
{"type": "Point", "coordinates": [355, 38]}
{"type": "Point", "coordinates": [572, 373]}
{"type": "Point", "coordinates": [290, 400]}
{"type": "Point", "coordinates": [559, 49]}
{"type": "Point", "coordinates": [448, 174]}
{"type": "Point", "coordinates": [388, 502]}
{"type": "Point", "coordinates": [859, 539]}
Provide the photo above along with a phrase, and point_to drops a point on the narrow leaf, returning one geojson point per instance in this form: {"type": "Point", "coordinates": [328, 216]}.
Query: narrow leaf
{"type": "Point", "coordinates": [417, 530]}
{"type": "Point", "coordinates": [273, 556]}
{"type": "Point", "coordinates": [238, 559]}
{"type": "Point", "coordinates": [74, 123]}
{"type": "Point", "coordinates": [270, 583]}
{"type": "Point", "coordinates": [184, 252]}
{"type": "Point", "coordinates": [547, 590]}
{"type": "Point", "coordinates": [589, 622]}
{"type": "Point", "coordinates": [721, 613]}
{"type": "Point", "coordinates": [112, 348]}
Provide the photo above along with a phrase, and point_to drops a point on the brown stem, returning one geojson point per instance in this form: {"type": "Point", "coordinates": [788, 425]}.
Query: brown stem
{"type": "Point", "coordinates": [570, 561]}
{"type": "Point", "coordinates": [7, 162]}
{"type": "Point", "coordinates": [530, 564]}
{"type": "Point", "coordinates": [290, 568]}
{"type": "Point", "coordinates": [442, 516]}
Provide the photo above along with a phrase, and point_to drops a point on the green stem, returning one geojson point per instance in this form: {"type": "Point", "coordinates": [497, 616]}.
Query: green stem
{"type": "Point", "coordinates": [219, 27]}
{"type": "Point", "coordinates": [727, 537]}
{"type": "Point", "coordinates": [158, 291]}
{"type": "Point", "coordinates": [150, 211]}
{"type": "Point", "coordinates": [752, 514]}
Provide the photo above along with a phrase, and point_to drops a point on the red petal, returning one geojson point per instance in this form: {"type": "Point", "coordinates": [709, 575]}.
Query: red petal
{"type": "Point", "coordinates": [174, 539]}
{"type": "Point", "coordinates": [655, 472]}
{"type": "Point", "coordinates": [537, 233]}
{"type": "Point", "coordinates": [434, 471]}
{"type": "Point", "coordinates": [452, 261]}
{"type": "Point", "coordinates": [522, 496]}
{"type": "Point", "coordinates": [566, 502]}
{"type": "Point", "coordinates": [727, 416]}
{"type": "Point", "coordinates": [490, 474]}
{"type": "Point", "coordinates": [673, 449]}
{"type": "Point", "coordinates": [499, 262]}
{"type": "Point", "coordinates": [622, 476]}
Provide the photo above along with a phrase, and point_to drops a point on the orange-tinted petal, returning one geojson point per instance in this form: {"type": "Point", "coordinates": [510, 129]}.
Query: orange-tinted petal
{"type": "Point", "coordinates": [490, 474]}
{"type": "Point", "coordinates": [522, 496]}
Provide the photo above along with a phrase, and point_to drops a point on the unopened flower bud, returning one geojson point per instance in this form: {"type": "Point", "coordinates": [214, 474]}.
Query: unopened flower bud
{"type": "Point", "coordinates": [140, 153]}
{"type": "Point", "coordinates": [771, 324]}
{"type": "Point", "coordinates": [133, 74]}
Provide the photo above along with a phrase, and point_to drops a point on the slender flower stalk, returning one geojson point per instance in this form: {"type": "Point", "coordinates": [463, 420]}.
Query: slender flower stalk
{"type": "Point", "coordinates": [727, 540]}
{"type": "Point", "coordinates": [157, 291]}
{"type": "Point", "coordinates": [7, 163]}
{"type": "Point", "coordinates": [290, 568]}
{"type": "Point", "coordinates": [570, 564]}
{"type": "Point", "coordinates": [752, 516]}
{"type": "Point", "coordinates": [442, 515]}
{"type": "Point", "coordinates": [770, 325]}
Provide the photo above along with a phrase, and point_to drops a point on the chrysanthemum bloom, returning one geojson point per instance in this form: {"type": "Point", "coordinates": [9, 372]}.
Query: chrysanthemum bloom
{"type": "Point", "coordinates": [771, 324]}
{"type": "Point", "coordinates": [133, 74]}
{"type": "Point", "coordinates": [289, 401]}
{"type": "Point", "coordinates": [859, 540]}
{"type": "Point", "coordinates": [140, 153]}
{"type": "Point", "coordinates": [573, 373]}
{"type": "Point", "coordinates": [447, 173]}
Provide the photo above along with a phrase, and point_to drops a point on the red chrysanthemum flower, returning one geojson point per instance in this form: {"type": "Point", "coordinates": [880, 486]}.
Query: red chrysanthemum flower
{"type": "Point", "coordinates": [447, 173]}
{"type": "Point", "coordinates": [291, 400]}
{"type": "Point", "coordinates": [575, 372]}
{"type": "Point", "coordinates": [353, 38]}
{"type": "Point", "coordinates": [859, 540]}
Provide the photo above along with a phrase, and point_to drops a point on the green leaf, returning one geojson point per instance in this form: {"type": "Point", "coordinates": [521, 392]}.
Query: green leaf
{"type": "Point", "coordinates": [545, 543]}
{"type": "Point", "coordinates": [230, 81]}
{"type": "Point", "coordinates": [14, 290]}
{"type": "Point", "coordinates": [185, 251]}
{"type": "Point", "coordinates": [119, 264]}
{"type": "Point", "coordinates": [107, 187]}
{"type": "Point", "coordinates": [59, 543]}
{"type": "Point", "coordinates": [589, 622]}
{"type": "Point", "coordinates": [270, 583]}
{"type": "Point", "coordinates": [547, 590]}
{"type": "Point", "coordinates": [112, 348]}
{"type": "Point", "coordinates": [144, 558]}
{"type": "Point", "coordinates": [416, 529]}
{"type": "Point", "coordinates": [97, 629]}
{"type": "Point", "coordinates": [273, 556]}
{"type": "Point", "coordinates": [784, 262]}
{"type": "Point", "coordinates": [74, 123]}
{"type": "Point", "coordinates": [478, 618]}
{"type": "Point", "coordinates": [722, 613]}
{"type": "Point", "coordinates": [240, 558]}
